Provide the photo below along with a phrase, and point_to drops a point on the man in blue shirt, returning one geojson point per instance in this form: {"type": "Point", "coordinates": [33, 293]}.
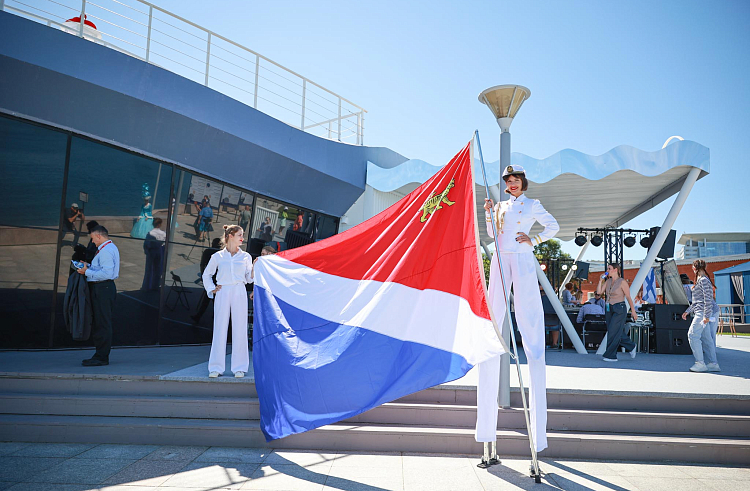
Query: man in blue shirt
{"type": "Point", "coordinates": [598, 300]}
{"type": "Point", "coordinates": [101, 275]}
{"type": "Point", "coordinates": [590, 307]}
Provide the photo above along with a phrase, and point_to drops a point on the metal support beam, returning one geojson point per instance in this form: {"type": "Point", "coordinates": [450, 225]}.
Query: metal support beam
{"type": "Point", "coordinates": [208, 56]}
{"type": "Point", "coordinates": [304, 96]}
{"type": "Point", "coordinates": [564, 319]}
{"type": "Point", "coordinates": [83, 16]}
{"type": "Point", "coordinates": [659, 240]}
{"type": "Point", "coordinates": [148, 35]}
{"type": "Point", "coordinates": [570, 272]}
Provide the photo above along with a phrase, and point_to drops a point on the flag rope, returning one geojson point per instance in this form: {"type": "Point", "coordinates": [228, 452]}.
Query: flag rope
{"type": "Point", "coordinates": [514, 355]}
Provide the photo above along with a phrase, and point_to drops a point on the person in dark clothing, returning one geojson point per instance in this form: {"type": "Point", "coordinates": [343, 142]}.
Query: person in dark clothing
{"type": "Point", "coordinates": [85, 254]}
{"type": "Point", "coordinates": [100, 275]}
{"type": "Point", "coordinates": [205, 301]}
{"type": "Point", "coordinates": [70, 215]}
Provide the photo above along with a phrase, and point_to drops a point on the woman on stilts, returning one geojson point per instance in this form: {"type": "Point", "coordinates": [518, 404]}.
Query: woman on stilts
{"type": "Point", "coordinates": [513, 221]}
{"type": "Point", "coordinates": [235, 270]}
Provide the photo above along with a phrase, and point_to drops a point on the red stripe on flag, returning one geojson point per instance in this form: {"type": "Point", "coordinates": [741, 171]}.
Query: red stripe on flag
{"type": "Point", "coordinates": [396, 246]}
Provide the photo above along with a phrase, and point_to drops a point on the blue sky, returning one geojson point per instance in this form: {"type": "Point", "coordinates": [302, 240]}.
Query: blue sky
{"type": "Point", "coordinates": [601, 74]}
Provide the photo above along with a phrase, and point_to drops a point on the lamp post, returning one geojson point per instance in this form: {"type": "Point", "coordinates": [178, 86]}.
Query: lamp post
{"type": "Point", "coordinates": [504, 101]}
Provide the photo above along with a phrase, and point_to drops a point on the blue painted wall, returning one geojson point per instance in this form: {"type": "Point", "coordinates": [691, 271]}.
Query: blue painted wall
{"type": "Point", "coordinates": [59, 79]}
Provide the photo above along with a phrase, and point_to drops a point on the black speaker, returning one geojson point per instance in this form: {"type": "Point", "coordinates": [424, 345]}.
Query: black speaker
{"type": "Point", "coordinates": [671, 342]}
{"type": "Point", "coordinates": [667, 250]}
{"type": "Point", "coordinates": [582, 271]}
{"type": "Point", "coordinates": [666, 317]}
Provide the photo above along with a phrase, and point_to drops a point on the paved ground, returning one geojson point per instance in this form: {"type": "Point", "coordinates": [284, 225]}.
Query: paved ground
{"type": "Point", "coordinates": [79, 467]}
{"type": "Point", "coordinates": [651, 373]}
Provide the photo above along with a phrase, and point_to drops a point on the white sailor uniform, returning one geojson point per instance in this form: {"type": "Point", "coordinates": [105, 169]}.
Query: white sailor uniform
{"type": "Point", "coordinates": [519, 269]}
{"type": "Point", "coordinates": [234, 272]}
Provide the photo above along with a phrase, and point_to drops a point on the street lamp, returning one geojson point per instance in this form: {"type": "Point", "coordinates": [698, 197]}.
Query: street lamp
{"type": "Point", "coordinates": [504, 101]}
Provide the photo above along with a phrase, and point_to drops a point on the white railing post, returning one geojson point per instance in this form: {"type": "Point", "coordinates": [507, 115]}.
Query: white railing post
{"type": "Point", "coordinates": [304, 95]}
{"type": "Point", "coordinates": [148, 36]}
{"type": "Point", "coordinates": [339, 138]}
{"type": "Point", "coordinates": [255, 92]}
{"type": "Point", "coordinates": [362, 127]}
{"type": "Point", "coordinates": [208, 56]}
{"type": "Point", "coordinates": [2, 4]}
{"type": "Point", "coordinates": [83, 16]}
{"type": "Point", "coordinates": [359, 128]}
{"type": "Point", "coordinates": [329, 130]}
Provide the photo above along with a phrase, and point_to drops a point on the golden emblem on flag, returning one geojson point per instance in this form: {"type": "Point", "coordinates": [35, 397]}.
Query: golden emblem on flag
{"type": "Point", "coordinates": [434, 202]}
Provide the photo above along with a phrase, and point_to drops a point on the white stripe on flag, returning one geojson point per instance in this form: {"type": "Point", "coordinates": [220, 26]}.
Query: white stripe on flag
{"type": "Point", "coordinates": [430, 317]}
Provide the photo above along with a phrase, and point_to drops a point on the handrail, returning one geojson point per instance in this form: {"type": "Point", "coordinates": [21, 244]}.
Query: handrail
{"type": "Point", "coordinates": [138, 38]}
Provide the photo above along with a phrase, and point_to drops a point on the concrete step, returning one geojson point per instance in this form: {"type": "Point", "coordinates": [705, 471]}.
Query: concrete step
{"type": "Point", "coordinates": [447, 415]}
{"type": "Point", "coordinates": [345, 437]}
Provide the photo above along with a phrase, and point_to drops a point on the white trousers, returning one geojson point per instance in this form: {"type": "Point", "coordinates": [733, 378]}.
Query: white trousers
{"type": "Point", "coordinates": [520, 271]}
{"type": "Point", "coordinates": [231, 298]}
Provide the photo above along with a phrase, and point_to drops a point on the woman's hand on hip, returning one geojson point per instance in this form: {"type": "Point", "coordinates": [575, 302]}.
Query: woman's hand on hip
{"type": "Point", "coordinates": [216, 290]}
{"type": "Point", "coordinates": [523, 238]}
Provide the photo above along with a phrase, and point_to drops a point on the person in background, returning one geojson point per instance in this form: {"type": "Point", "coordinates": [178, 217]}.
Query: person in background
{"type": "Point", "coordinates": [568, 299]}
{"type": "Point", "coordinates": [266, 251]}
{"type": "Point", "coordinates": [234, 269]}
{"type": "Point", "coordinates": [617, 291]}
{"type": "Point", "coordinates": [70, 215]}
{"type": "Point", "coordinates": [205, 258]}
{"type": "Point", "coordinates": [599, 300]}
{"type": "Point", "coordinates": [206, 216]}
{"type": "Point", "coordinates": [283, 218]}
{"type": "Point", "coordinates": [590, 307]}
{"type": "Point", "coordinates": [153, 247]}
{"type": "Point", "coordinates": [687, 285]}
{"type": "Point", "coordinates": [189, 203]}
{"type": "Point", "coordinates": [101, 275]}
{"type": "Point", "coordinates": [266, 230]}
{"type": "Point", "coordinates": [245, 216]}
{"type": "Point", "coordinates": [702, 308]}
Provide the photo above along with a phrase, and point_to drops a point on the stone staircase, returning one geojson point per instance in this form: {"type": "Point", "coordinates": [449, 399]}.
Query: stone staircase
{"type": "Point", "coordinates": [589, 425]}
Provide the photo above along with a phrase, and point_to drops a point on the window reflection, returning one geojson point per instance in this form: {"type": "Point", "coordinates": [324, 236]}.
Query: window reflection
{"type": "Point", "coordinates": [129, 195]}
{"type": "Point", "coordinates": [202, 208]}
{"type": "Point", "coordinates": [32, 163]}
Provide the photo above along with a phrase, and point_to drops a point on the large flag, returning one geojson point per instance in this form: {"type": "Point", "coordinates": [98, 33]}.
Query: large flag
{"type": "Point", "coordinates": [392, 306]}
{"type": "Point", "coordinates": [649, 287]}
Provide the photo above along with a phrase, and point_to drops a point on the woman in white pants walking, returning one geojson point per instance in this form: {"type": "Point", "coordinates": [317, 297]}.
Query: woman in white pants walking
{"type": "Point", "coordinates": [513, 221]}
{"type": "Point", "coordinates": [235, 270]}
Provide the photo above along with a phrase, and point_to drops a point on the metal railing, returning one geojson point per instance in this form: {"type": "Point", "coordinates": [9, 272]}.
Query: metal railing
{"type": "Point", "coordinates": [157, 36]}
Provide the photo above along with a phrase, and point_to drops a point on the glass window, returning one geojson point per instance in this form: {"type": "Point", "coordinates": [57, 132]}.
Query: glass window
{"type": "Point", "coordinates": [281, 226]}
{"type": "Point", "coordinates": [32, 163]}
{"type": "Point", "coordinates": [129, 195]}
{"type": "Point", "coordinates": [202, 208]}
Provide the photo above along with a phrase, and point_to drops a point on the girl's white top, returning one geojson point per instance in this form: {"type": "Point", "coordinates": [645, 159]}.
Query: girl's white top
{"type": "Point", "coordinates": [232, 270]}
{"type": "Point", "coordinates": [518, 215]}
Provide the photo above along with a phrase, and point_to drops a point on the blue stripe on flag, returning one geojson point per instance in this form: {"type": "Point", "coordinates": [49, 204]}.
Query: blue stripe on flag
{"type": "Point", "coordinates": [323, 372]}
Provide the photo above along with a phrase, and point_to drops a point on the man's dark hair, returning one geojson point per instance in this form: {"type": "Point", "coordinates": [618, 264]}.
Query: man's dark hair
{"type": "Point", "coordinates": [92, 225]}
{"type": "Point", "coordinates": [216, 243]}
{"type": "Point", "coordinates": [99, 229]}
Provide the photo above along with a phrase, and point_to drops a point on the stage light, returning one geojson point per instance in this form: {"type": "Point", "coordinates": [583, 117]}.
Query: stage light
{"type": "Point", "coordinates": [646, 242]}
{"type": "Point", "coordinates": [581, 240]}
{"type": "Point", "coordinates": [564, 267]}
{"type": "Point", "coordinates": [544, 267]}
{"type": "Point", "coordinates": [596, 240]}
{"type": "Point", "coordinates": [575, 267]}
{"type": "Point", "coordinates": [629, 241]}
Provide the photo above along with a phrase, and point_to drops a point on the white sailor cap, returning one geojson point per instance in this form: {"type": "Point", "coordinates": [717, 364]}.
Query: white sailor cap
{"type": "Point", "coordinates": [513, 170]}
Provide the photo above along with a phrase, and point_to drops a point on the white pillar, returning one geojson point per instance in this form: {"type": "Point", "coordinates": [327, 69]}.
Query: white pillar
{"type": "Point", "coordinates": [570, 273]}
{"type": "Point", "coordinates": [687, 186]}
{"type": "Point", "coordinates": [564, 319]}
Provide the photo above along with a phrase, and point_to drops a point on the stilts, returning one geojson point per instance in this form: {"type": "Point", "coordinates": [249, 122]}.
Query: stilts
{"type": "Point", "coordinates": [487, 458]}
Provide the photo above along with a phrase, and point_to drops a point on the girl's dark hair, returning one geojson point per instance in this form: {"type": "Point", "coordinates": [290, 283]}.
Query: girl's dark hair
{"type": "Point", "coordinates": [617, 267]}
{"type": "Point", "coordinates": [568, 286]}
{"type": "Point", "coordinates": [700, 270]}
{"type": "Point", "coordinates": [524, 181]}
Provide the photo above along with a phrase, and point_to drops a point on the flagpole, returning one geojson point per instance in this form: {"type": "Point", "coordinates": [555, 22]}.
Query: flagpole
{"type": "Point", "coordinates": [534, 461]}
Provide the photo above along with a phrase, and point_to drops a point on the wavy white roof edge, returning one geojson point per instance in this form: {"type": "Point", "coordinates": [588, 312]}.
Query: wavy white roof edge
{"type": "Point", "coordinates": [591, 167]}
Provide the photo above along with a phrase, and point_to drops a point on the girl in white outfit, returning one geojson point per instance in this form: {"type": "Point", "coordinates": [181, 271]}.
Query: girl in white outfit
{"type": "Point", "coordinates": [513, 221]}
{"type": "Point", "coordinates": [235, 270]}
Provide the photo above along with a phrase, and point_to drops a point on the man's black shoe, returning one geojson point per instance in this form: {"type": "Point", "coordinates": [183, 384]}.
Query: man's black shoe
{"type": "Point", "coordinates": [93, 362]}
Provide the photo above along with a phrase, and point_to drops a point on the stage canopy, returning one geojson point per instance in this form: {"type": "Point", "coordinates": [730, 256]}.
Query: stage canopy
{"type": "Point", "coordinates": [579, 190]}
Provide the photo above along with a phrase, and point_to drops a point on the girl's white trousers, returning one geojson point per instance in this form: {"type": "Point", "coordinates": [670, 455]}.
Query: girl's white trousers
{"type": "Point", "coordinates": [520, 271]}
{"type": "Point", "coordinates": [231, 298]}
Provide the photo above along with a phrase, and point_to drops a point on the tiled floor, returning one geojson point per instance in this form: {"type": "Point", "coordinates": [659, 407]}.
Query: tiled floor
{"type": "Point", "coordinates": [82, 467]}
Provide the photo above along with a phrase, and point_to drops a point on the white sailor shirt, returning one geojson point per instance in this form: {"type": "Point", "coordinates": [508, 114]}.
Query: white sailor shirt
{"type": "Point", "coordinates": [231, 269]}
{"type": "Point", "coordinates": [518, 215]}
